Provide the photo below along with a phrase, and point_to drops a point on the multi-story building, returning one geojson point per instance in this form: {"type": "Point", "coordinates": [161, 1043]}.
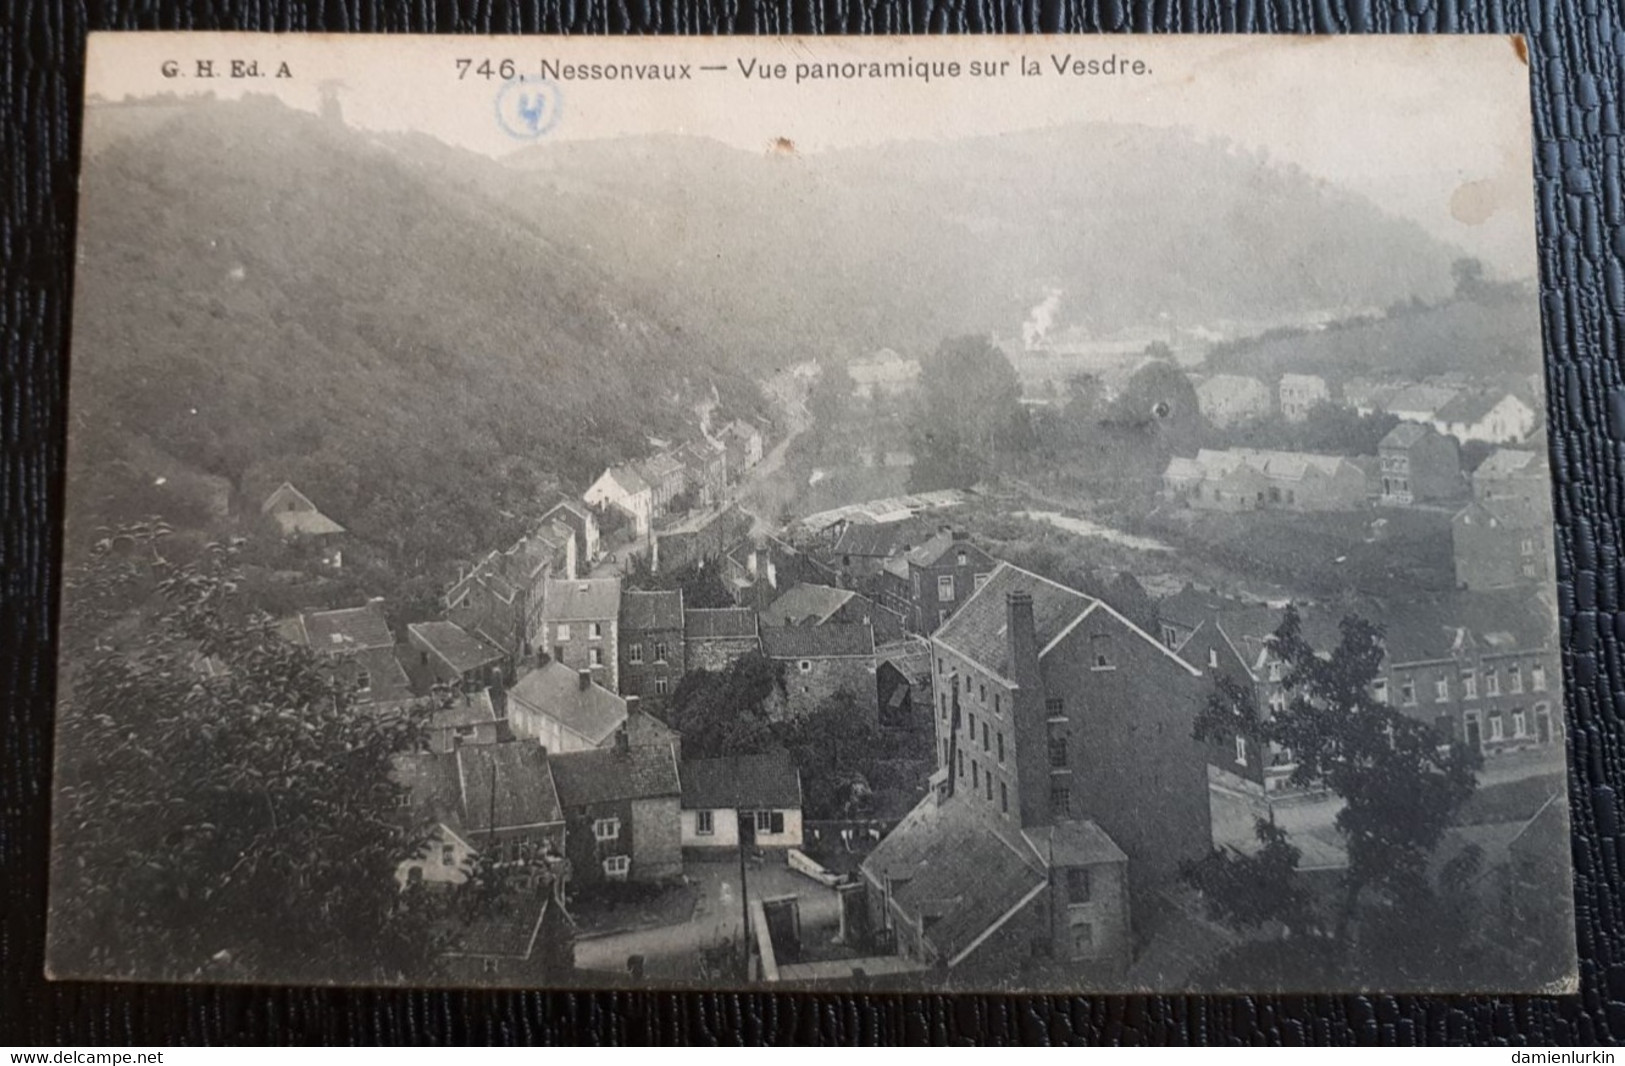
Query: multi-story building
{"type": "Point", "coordinates": [928, 583]}
{"type": "Point", "coordinates": [1418, 464]}
{"type": "Point", "coordinates": [1502, 543]}
{"type": "Point", "coordinates": [1300, 393]}
{"type": "Point", "coordinates": [651, 645]}
{"type": "Point", "coordinates": [357, 648]}
{"type": "Point", "coordinates": [581, 627]}
{"type": "Point", "coordinates": [499, 598]}
{"type": "Point", "coordinates": [1230, 399]}
{"type": "Point", "coordinates": [582, 523]}
{"type": "Point", "coordinates": [1513, 474]}
{"type": "Point", "coordinates": [621, 811]}
{"type": "Point", "coordinates": [715, 637]}
{"type": "Point", "coordinates": [1251, 479]}
{"type": "Point", "coordinates": [818, 662]}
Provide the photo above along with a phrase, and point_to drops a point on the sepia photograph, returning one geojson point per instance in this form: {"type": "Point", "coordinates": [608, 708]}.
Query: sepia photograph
{"type": "Point", "coordinates": [1002, 514]}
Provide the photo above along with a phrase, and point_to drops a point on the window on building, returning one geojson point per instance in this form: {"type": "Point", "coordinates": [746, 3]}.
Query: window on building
{"type": "Point", "coordinates": [363, 681]}
{"type": "Point", "coordinates": [1083, 939]}
{"type": "Point", "coordinates": [1277, 700]}
{"type": "Point", "coordinates": [1441, 689]}
{"type": "Point", "coordinates": [1527, 547]}
{"type": "Point", "coordinates": [1001, 747]}
{"type": "Point", "coordinates": [1100, 651]}
{"type": "Point", "coordinates": [1469, 685]}
{"type": "Point", "coordinates": [1055, 708]}
{"type": "Point", "coordinates": [1057, 749]}
{"type": "Point", "coordinates": [1492, 683]}
{"type": "Point", "coordinates": [989, 779]}
{"type": "Point", "coordinates": [944, 699]}
{"type": "Point", "coordinates": [980, 580]}
{"type": "Point", "coordinates": [634, 653]}
{"type": "Point", "coordinates": [448, 855]}
{"type": "Point", "coordinates": [1079, 885]}
{"type": "Point", "coordinates": [939, 667]}
{"type": "Point", "coordinates": [981, 693]}
{"type": "Point", "coordinates": [1170, 636]}
{"type": "Point", "coordinates": [564, 631]}
{"type": "Point", "coordinates": [660, 651]}
{"type": "Point", "coordinates": [970, 720]}
{"type": "Point", "coordinates": [1004, 798]}
{"type": "Point", "coordinates": [945, 588]}
{"type": "Point", "coordinates": [1520, 724]}
{"type": "Point", "coordinates": [1241, 750]}
{"type": "Point", "coordinates": [1537, 678]}
{"type": "Point", "coordinates": [985, 745]}
{"type": "Point", "coordinates": [1275, 670]}
{"type": "Point", "coordinates": [597, 656]}
{"type": "Point", "coordinates": [959, 560]}
{"type": "Point", "coordinates": [606, 829]}
{"type": "Point", "coordinates": [558, 653]}
{"type": "Point", "coordinates": [961, 752]}
{"type": "Point", "coordinates": [662, 685]}
{"type": "Point", "coordinates": [595, 630]}
{"type": "Point", "coordinates": [998, 706]}
{"type": "Point", "coordinates": [617, 866]}
{"type": "Point", "coordinates": [414, 875]}
{"type": "Point", "coordinates": [705, 823]}
{"type": "Point", "coordinates": [1514, 678]}
{"type": "Point", "coordinates": [488, 966]}
{"type": "Point", "coordinates": [942, 616]}
{"type": "Point", "coordinates": [805, 666]}
{"type": "Point", "coordinates": [1060, 800]}
{"type": "Point", "coordinates": [1444, 728]}
{"type": "Point", "coordinates": [770, 822]}
{"type": "Point", "coordinates": [975, 775]}
{"type": "Point", "coordinates": [1379, 690]}
{"type": "Point", "coordinates": [1497, 729]}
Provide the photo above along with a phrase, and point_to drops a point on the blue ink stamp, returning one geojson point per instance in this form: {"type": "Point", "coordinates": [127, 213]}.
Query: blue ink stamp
{"type": "Point", "coordinates": [527, 109]}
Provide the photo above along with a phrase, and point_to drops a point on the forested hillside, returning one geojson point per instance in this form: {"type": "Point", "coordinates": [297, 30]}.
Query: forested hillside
{"type": "Point", "coordinates": [264, 295]}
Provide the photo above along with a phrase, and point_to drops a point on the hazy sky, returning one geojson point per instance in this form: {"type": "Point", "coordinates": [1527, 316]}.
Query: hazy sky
{"type": "Point", "coordinates": [1435, 129]}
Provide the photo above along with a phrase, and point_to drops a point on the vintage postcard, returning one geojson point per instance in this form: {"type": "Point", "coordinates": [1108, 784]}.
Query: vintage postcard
{"type": "Point", "coordinates": [1021, 514]}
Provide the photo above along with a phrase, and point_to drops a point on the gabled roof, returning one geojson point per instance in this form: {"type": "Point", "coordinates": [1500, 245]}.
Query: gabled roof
{"type": "Point", "coordinates": [505, 786]}
{"type": "Point", "coordinates": [609, 775]}
{"type": "Point", "coordinates": [346, 630]}
{"type": "Point", "coordinates": [1405, 434]}
{"type": "Point", "coordinates": [1509, 462]}
{"type": "Point", "coordinates": [452, 643]}
{"type": "Point", "coordinates": [911, 656]}
{"type": "Point", "coordinates": [555, 690]}
{"type": "Point", "coordinates": [1513, 512]}
{"type": "Point", "coordinates": [714, 623]}
{"type": "Point", "coordinates": [477, 789]}
{"type": "Point", "coordinates": [655, 609]}
{"type": "Point", "coordinates": [571, 510]}
{"type": "Point", "coordinates": [1422, 400]}
{"type": "Point", "coordinates": [768, 780]}
{"type": "Point", "coordinates": [1074, 843]}
{"type": "Point", "coordinates": [1490, 621]}
{"type": "Point", "coordinates": [1290, 466]}
{"type": "Point", "coordinates": [305, 518]}
{"type": "Point", "coordinates": [626, 478]}
{"type": "Point", "coordinates": [582, 600]}
{"type": "Point", "coordinates": [1191, 606]}
{"type": "Point", "coordinates": [1469, 407]}
{"type": "Point", "coordinates": [869, 539]}
{"type": "Point", "coordinates": [659, 467]}
{"type": "Point", "coordinates": [951, 872]}
{"type": "Point", "coordinates": [806, 603]}
{"type": "Point", "coordinates": [835, 640]}
{"type": "Point", "coordinates": [1308, 381]}
{"type": "Point", "coordinates": [1181, 468]}
{"type": "Point", "coordinates": [931, 552]}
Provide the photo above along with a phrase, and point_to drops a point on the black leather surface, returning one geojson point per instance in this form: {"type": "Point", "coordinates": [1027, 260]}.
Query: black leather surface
{"type": "Point", "coordinates": [1577, 52]}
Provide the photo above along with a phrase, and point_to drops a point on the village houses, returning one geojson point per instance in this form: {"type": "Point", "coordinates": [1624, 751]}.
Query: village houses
{"type": "Point", "coordinates": [1300, 394]}
{"type": "Point", "coordinates": [581, 627]}
{"type": "Point", "coordinates": [1502, 543]}
{"type": "Point", "coordinates": [1513, 474]}
{"type": "Point", "coordinates": [667, 480]}
{"type": "Point", "coordinates": [583, 524]}
{"type": "Point", "coordinates": [356, 644]}
{"type": "Point", "coordinates": [499, 599]}
{"type": "Point", "coordinates": [620, 806]}
{"type": "Point", "coordinates": [716, 637]}
{"type": "Point", "coordinates": [742, 443]}
{"type": "Point", "coordinates": [751, 801]}
{"type": "Point", "coordinates": [815, 605]}
{"type": "Point", "coordinates": [651, 645]}
{"type": "Point", "coordinates": [817, 662]}
{"type": "Point", "coordinates": [883, 374]}
{"type": "Point", "coordinates": [465, 717]}
{"type": "Point", "coordinates": [928, 583]}
{"type": "Point", "coordinates": [1418, 464]}
{"type": "Point", "coordinates": [625, 490]}
{"type": "Point", "coordinates": [451, 656]}
{"type": "Point", "coordinates": [1232, 399]}
{"type": "Point", "coordinates": [1248, 479]}
{"type": "Point", "coordinates": [705, 470]}
{"type": "Point", "coordinates": [300, 519]}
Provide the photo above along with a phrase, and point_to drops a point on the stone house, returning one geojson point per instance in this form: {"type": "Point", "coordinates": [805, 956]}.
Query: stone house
{"type": "Point", "coordinates": [624, 489]}
{"type": "Point", "coordinates": [651, 645]}
{"type": "Point", "coordinates": [356, 646]}
{"type": "Point", "coordinates": [1300, 393]}
{"type": "Point", "coordinates": [1502, 543]}
{"type": "Point", "coordinates": [715, 637]}
{"type": "Point", "coordinates": [816, 662]}
{"type": "Point", "coordinates": [581, 626]}
{"type": "Point", "coordinates": [1495, 416]}
{"type": "Point", "coordinates": [298, 518]}
{"type": "Point", "coordinates": [928, 583]}
{"type": "Point", "coordinates": [1230, 399]}
{"type": "Point", "coordinates": [499, 599]}
{"type": "Point", "coordinates": [1251, 479]}
{"type": "Point", "coordinates": [667, 479]}
{"type": "Point", "coordinates": [582, 523]}
{"type": "Point", "coordinates": [1418, 464]}
{"type": "Point", "coordinates": [453, 657]}
{"type": "Point", "coordinates": [564, 709]}
{"type": "Point", "coordinates": [621, 806]}
{"type": "Point", "coordinates": [816, 605]}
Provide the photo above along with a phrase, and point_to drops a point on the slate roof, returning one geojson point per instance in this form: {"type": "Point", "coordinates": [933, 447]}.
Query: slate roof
{"type": "Point", "coordinates": [1511, 511]}
{"type": "Point", "coordinates": [1469, 407]}
{"type": "Point", "coordinates": [719, 623]}
{"type": "Point", "coordinates": [1404, 435]}
{"type": "Point", "coordinates": [1275, 464]}
{"type": "Point", "coordinates": [464, 788]}
{"type": "Point", "coordinates": [977, 629]}
{"type": "Point", "coordinates": [742, 782]}
{"type": "Point", "coordinates": [869, 539]}
{"type": "Point", "coordinates": [498, 935]}
{"type": "Point", "coordinates": [630, 481]}
{"type": "Point", "coordinates": [582, 600]}
{"type": "Point", "coordinates": [1074, 843]}
{"type": "Point", "coordinates": [931, 552]}
{"type": "Point", "coordinates": [506, 785]}
{"type": "Point", "coordinates": [1190, 605]}
{"type": "Point", "coordinates": [911, 656]}
{"type": "Point", "coordinates": [948, 867]}
{"type": "Point", "coordinates": [455, 645]}
{"type": "Point", "coordinates": [657, 609]}
{"type": "Point", "coordinates": [465, 709]}
{"type": "Point", "coordinates": [307, 519]}
{"type": "Point", "coordinates": [1424, 400]}
{"type": "Point", "coordinates": [805, 603]}
{"type": "Point", "coordinates": [1508, 462]}
{"type": "Point", "coordinates": [1493, 620]}
{"type": "Point", "coordinates": [840, 639]}
{"type": "Point", "coordinates": [555, 690]}
{"type": "Point", "coordinates": [608, 775]}
{"type": "Point", "coordinates": [346, 630]}
{"type": "Point", "coordinates": [659, 467]}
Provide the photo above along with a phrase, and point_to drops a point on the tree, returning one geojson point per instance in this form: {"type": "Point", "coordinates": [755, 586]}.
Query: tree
{"type": "Point", "coordinates": [723, 712]}
{"type": "Point", "coordinates": [240, 823]}
{"type": "Point", "coordinates": [702, 585]}
{"type": "Point", "coordinates": [1401, 785]}
{"type": "Point", "coordinates": [1251, 891]}
{"type": "Point", "coordinates": [969, 413]}
{"type": "Point", "coordinates": [834, 747]}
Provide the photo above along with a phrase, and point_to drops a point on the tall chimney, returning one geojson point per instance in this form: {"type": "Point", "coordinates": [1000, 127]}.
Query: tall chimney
{"type": "Point", "coordinates": [584, 679]}
{"type": "Point", "coordinates": [633, 707]}
{"type": "Point", "coordinates": [1027, 714]}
